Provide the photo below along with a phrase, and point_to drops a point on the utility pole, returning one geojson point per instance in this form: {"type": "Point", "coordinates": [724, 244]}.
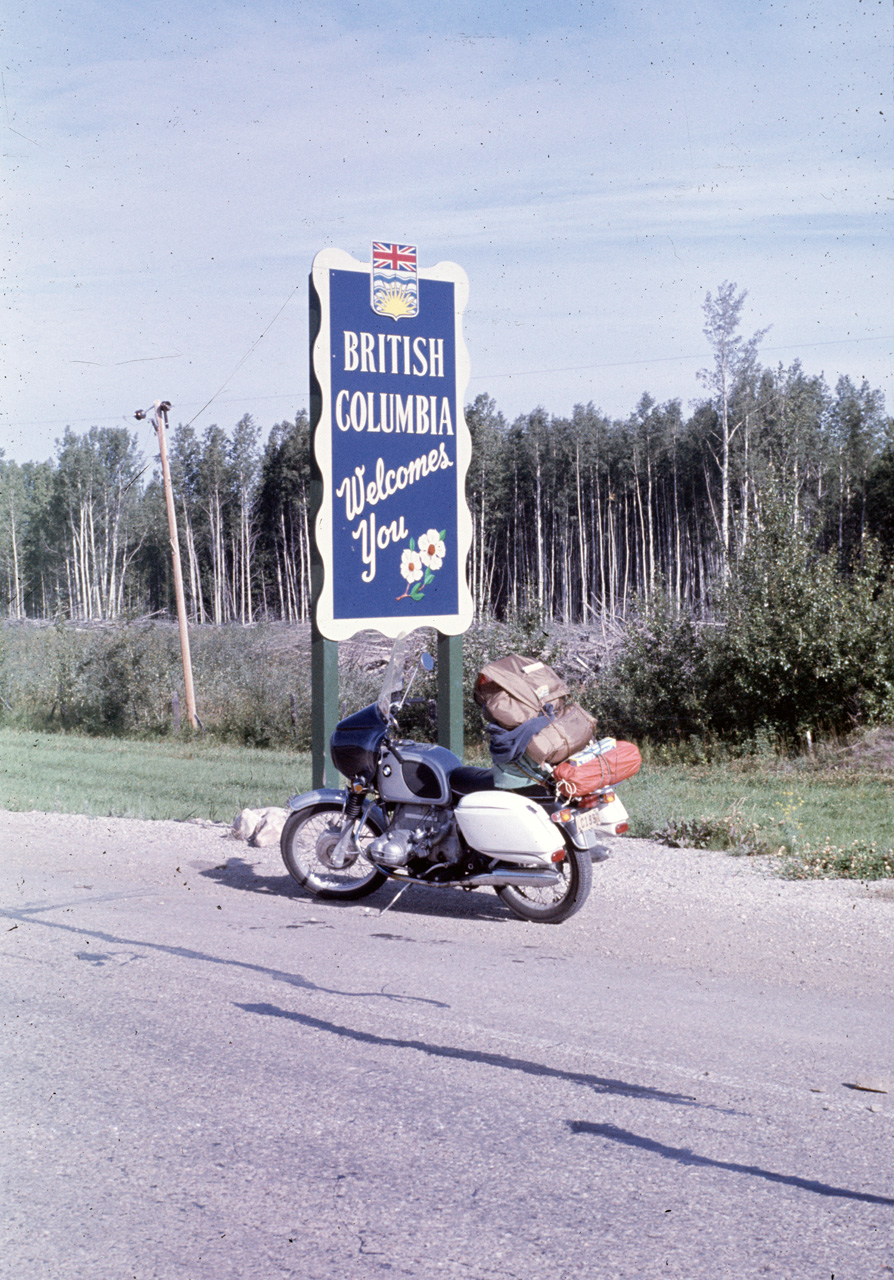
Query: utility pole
{"type": "Point", "coordinates": [160, 422]}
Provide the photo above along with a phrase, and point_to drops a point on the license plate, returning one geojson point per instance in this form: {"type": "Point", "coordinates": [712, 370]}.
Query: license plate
{"type": "Point", "coordinates": [587, 821]}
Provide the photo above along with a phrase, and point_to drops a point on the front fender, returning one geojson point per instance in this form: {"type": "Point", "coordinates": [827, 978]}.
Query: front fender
{"type": "Point", "coordinates": [328, 795]}
{"type": "Point", "coordinates": [310, 798]}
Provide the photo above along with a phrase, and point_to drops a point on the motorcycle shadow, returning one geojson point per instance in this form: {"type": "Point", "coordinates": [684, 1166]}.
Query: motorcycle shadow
{"type": "Point", "coordinates": [480, 904]}
{"type": "Point", "coordinates": [237, 873]}
{"type": "Point", "coordinates": [452, 904]}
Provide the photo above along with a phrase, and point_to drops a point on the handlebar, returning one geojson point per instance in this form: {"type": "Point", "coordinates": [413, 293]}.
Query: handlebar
{"type": "Point", "coordinates": [432, 706]}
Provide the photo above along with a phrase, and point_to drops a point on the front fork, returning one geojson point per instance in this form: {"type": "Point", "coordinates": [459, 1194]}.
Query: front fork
{"type": "Point", "coordinates": [347, 851]}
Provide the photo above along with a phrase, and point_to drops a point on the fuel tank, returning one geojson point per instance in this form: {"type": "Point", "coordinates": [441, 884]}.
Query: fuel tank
{"type": "Point", "coordinates": [422, 773]}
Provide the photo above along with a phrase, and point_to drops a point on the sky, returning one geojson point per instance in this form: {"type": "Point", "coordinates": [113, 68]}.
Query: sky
{"type": "Point", "coordinates": [171, 169]}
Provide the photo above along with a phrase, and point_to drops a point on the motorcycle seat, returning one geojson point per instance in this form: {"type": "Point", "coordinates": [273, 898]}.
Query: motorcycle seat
{"type": "Point", "coordinates": [467, 779]}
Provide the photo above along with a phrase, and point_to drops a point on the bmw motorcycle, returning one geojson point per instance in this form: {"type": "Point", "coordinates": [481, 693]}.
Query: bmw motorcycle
{"type": "Point", "coordinates": [412, 813]}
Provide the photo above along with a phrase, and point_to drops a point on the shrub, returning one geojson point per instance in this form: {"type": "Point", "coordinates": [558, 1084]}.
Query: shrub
{"type": "Point", "coordinates": [803, 646]}
{"type": "Point", "coordinates": [101, 681]}
{"type": "Point", "coordinates": [655, 689]}
{"type": "Point", "coordinates": [859, 861]}
{"type": "Point", "coordinates": [728, 831]}
{"type": "Point", "coordinates": [797, 646]}
{"type": "Point", "coordinates": [245, 679]}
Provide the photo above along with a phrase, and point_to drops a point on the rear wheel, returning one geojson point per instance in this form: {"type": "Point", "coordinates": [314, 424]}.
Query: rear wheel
{"type": "Point", "coordinates": [554, 903]}
{"type": "Point", "coordinates": [308, 840]}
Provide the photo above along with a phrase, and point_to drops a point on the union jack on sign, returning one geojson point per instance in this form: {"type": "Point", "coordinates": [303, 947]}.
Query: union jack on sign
{"type": "Point", "coordinates": [394, 257]}
{"type": "Point", "coordinates": [394, 284]}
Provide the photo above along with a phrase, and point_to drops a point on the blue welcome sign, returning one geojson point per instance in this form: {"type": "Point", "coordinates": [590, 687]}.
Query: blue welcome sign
{"type": "Point", "coordinates": [393, 529]}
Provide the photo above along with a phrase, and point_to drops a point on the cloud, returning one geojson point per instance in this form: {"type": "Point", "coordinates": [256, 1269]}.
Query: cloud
{"type": "Point", "coordinates": [595, 168]}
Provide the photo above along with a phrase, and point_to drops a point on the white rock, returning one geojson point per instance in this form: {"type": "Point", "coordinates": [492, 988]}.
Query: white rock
{"type": "Point", "coordinates": [244, 823]}
{"type": "Point", "coordinates": [269, 828]}
{"type": "Point", "coordinates": [260, 827]}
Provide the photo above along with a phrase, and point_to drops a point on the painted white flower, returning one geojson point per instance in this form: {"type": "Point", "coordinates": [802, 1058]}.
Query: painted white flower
{"type": "Point", "coordinates": [432, 549]}
{"type": "Point", "coordinates": [411, 565]}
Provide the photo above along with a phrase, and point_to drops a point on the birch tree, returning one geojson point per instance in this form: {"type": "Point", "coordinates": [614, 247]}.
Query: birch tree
{"type": "Point", "coordinates": [734, 358]}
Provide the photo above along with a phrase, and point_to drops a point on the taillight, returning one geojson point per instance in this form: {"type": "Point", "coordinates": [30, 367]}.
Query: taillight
{"type": "Point", "coordinates": [598, 798]}
{"type": "Point", "coordinates": [558, 856]}
{"type": "Point", "coordinates": [621, 827]}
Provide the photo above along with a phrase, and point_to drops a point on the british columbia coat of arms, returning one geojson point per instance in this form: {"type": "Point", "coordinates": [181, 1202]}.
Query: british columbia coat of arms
{"type": "Point", "coordinates": [394, 282]}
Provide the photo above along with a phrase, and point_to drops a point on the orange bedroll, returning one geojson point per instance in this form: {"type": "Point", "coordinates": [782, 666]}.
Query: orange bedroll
{"type": "Point", "coordinates": [613, 766]}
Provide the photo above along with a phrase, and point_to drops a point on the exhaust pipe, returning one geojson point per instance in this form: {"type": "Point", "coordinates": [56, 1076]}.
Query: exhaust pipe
{"type": "Point", "coordinates": [501, 879]}
{"type": "Point", "coordinates": [497, 879]}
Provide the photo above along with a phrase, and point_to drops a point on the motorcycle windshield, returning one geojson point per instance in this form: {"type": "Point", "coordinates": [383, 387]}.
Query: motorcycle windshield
{"type": "Point", "coordinates": [394, 676]}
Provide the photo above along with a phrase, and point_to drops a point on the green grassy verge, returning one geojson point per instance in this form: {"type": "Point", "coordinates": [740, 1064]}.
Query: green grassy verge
{"type": "Point", "coordinates": [824, 823]}
{"type": "Point", "coordinates": [55, 772]}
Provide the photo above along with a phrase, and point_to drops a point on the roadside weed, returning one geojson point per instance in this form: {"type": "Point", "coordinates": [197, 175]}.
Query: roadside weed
{"type": "Point", "coordinates": [859, 861]}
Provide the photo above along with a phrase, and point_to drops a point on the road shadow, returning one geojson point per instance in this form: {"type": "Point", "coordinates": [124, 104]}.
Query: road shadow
{"type": "Point", "coordinates": [683, 1156]}
{"type": "Point", "coordinates": [142, 946]}
{"type": "Point", "coordinates": [505, 1062]}
{"type": "Point", "coordinates": [446, 904]}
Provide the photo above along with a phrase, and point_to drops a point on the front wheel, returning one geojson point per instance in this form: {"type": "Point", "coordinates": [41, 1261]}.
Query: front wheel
{"type": "Point", "coordinates": [307, 840]}
{"type": "Point", "coordinates": [554, 903]}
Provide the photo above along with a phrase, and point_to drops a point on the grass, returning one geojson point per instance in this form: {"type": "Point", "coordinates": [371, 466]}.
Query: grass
{"type": "Point", "coordinates": [822, 822]}
{"type": "Point", "coordinates": [66, 773]}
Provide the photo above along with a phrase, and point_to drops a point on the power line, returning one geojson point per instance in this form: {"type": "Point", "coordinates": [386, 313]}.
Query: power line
{"type": "Point", "coordinates": [301, 396]}
{"type": "Point", "coordinates": [253, 346]}
{"type": "Point", "coordinates": [621, 364]}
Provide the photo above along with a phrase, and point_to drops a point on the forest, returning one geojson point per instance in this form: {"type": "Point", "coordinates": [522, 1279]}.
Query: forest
{"type": "Point", "coordinates": [578, 519]}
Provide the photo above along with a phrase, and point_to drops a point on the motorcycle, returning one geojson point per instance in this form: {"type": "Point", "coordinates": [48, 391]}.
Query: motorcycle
{"type": "Point", "coordinates": [414, 814]}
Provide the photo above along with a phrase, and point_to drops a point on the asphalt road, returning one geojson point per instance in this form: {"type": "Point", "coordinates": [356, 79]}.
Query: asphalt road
{"type": "Point", "coordinates": [208, 1075]}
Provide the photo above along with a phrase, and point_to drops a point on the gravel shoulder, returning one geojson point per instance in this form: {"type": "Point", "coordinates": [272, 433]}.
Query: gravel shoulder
{"type": "Point", "coordinates": [677, 908]}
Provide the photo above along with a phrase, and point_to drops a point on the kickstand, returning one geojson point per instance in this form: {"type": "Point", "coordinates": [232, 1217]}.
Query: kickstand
{"type": "Point", "coordinates": [400, 891]}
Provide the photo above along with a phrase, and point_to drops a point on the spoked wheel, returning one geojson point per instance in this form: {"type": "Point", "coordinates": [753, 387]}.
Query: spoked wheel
{"type": "Point", "coordinates": [307, 842]}
{"type": "Point", "coordinates": [552, 904]}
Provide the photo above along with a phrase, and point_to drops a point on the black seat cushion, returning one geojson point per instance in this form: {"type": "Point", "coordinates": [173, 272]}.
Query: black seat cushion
{"type": "Point", "coordinates": [466, 779]}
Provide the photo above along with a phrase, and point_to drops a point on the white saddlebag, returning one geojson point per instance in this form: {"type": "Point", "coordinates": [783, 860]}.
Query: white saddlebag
{"type": "Point", "coordinates": [507, 826]}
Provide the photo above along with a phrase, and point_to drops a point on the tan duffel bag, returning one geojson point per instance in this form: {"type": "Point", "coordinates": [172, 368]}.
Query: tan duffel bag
{"type": "Point", "coordinates": [513, 690]}
{"type": "Point", "coordinates": [570, 731]}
